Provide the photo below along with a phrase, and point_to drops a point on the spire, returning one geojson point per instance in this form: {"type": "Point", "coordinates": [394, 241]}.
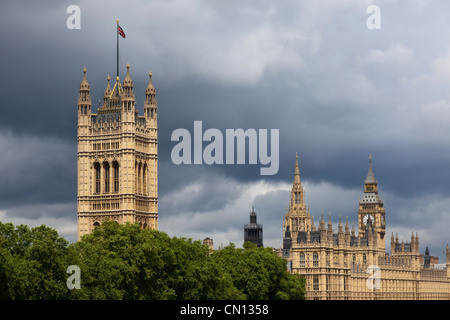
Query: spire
{"type": "Point", "coordinates": [297, 171]}
{"type": "Point", "coordinates": [313, 226]}
{"type": "Point", "coordinates": [253, 216]}
{"type": "Point", "coordinates": [150, 92]}
{"type": "Point", "coordinates": [84, 86]}
{"type": "Point", "coordinates": [370, 176]}
{"type": "Point", "coordinates": [150, 87]}
{"type": "Point", "coordinates": [107, 92]}
{"type": "Point", "coordinates": [128, 82]}
{"type": "Point", "coordinates": [322, 223]}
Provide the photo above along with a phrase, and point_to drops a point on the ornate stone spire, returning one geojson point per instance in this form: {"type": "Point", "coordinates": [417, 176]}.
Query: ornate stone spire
{"type": "Point", "coordinates": [150, 107]}
{"type": "Point", "coordinates": [84, 86]}
{"type": "Point", "coordinates": [297, 171]}
{"type": "Point", "coordinates": [107, 92]}
{"type": "Point", "coordinates": [150, 87]}
{"type": "Point", "coordinates": [370, 176]}
{"type": "Point", "coordinates": [127, 82]}
{"type": "Point", "coordinates": [347, 228]}
{"type": "Point", "coordinates": [313, 226]}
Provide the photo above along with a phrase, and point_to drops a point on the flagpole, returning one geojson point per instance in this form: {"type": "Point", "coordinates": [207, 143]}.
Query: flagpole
{"type": "Point", "coordinates": [117, 34]}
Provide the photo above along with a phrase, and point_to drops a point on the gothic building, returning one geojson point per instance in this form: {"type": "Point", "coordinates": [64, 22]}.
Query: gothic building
{"type": "Point", "coordinates": [349, 265]}
{"type": "Point", "coordinates": [117, 157]}
{"type": "Point", "coordinates": [253, 231]}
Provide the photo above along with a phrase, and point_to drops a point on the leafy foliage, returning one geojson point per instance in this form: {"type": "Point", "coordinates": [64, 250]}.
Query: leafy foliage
{"type": "Point", "coordinates": [126, 262]}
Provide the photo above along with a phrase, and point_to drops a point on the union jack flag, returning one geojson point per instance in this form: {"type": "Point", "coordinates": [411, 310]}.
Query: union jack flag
{"type": "Point", "coordinates": [120, 31]}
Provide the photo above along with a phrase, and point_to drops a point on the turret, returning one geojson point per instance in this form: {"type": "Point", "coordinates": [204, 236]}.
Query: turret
{"type": "Point", "coordinates": [313, 226]}
{"type": "Point", "coordinates": [330, 230]}
{"type": "Point", "coordinates": [347, 232]}
{"type": "Point", "coordinates": [127, 98]}
{"type": "Point", "coordinates": [84, 102]}
{"type": "Point", "coordinates": [417, 243]}
{"type": "Point", "coordinates": [107, 92]}
{"type": "Point", "coordinates": [413, 242]}
{"type": "Point", "coordinates": [150, 104]}
{"type": "Point", "coordinates": [340, 233]}
{"type": "Point", "coordinates": [323, 231]}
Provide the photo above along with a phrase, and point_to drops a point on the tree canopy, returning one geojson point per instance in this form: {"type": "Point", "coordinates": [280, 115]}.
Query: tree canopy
{"type": "Point", "coordinates": [127, 262]}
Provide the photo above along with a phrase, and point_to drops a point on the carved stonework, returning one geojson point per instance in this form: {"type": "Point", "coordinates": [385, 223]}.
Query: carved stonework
{"type": "Point", "coordinates": [125, 146]}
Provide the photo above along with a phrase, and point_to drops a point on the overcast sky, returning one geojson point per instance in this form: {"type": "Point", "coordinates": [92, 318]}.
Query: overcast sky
{"type": "Point", "coordinates": [335, 89]}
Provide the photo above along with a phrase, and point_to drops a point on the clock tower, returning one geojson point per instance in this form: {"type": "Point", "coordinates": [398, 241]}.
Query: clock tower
{"type": "Point", "coordinates": [371, 208]}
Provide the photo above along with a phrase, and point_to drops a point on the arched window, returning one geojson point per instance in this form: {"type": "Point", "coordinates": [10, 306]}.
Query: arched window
{"type": "Point", "coordinates": [136, 177]}
{"type": "Point", "coordinates": [144, 179]}
{"type": "Point", "coordinates": [97, 177]}
{"type": "Point", "coordinates": [139, 178]}
{"type": "Point", "coordinates": [96, 224]}
{"type": "Point", "coordinates": [297, 198]}
{"type": "Point", "coordinates": [116, 176]}
{"type": "Point", "coordinates": [315, 259]}
{"type": "Point", "coordinates": [107, 177]}
{"type": "Point", "coordinates": [302, 259]}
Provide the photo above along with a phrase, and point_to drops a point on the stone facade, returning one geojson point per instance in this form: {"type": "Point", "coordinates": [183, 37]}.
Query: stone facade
{"type": "Point", "coordinates": [345, 265]}
{"type": "Point", "coordinates": [117, 157]}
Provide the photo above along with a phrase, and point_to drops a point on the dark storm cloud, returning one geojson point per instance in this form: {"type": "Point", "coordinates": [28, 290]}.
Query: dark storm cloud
{"type": "Point", "coordinates": [335, 90]}
{"type": "Point", "coordinates": [35, 170]}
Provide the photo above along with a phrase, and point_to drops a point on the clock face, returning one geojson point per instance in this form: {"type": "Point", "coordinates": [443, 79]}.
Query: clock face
{"type": "Point", "coordinates": [382, 221]}
{"type": "Point", "coordinates": [367, 217]}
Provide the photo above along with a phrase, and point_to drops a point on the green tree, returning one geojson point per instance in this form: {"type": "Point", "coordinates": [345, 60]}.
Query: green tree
{"type": "Point", "coordinates": [126, 262]}
{"type": "Point", "coordinates": [259, 273]}
{"type": "Point", "coordinates": [32, 263]}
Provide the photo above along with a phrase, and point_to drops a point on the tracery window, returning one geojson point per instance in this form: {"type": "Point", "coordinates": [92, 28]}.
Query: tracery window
{"type": "Point", "coordinates": [107, 177]}
{"type": "Point", "coordinates": [302, 259]}
{"type": "Point", "coordinates": [97, 177]}
{"type": "Point", "coordinates": [315, 259]}
{"type": "Point", "coordinates": [116, 176]}
{"type": "Point", "coordinates": [144, 179]}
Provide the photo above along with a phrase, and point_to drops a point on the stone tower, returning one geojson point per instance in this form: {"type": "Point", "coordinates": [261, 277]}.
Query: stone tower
{"type": "Point", "coordinates": [297, 217]}
{"type": "Point", "coordinates": [371, 208]}
{"type": "Point", "coordinates": [117, 157]}
{"type": "Point", "coordinates": [253, 231]}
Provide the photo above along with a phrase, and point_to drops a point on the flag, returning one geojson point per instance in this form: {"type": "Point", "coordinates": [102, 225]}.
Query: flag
{"type": "Point", "coordinates": [120, 31]}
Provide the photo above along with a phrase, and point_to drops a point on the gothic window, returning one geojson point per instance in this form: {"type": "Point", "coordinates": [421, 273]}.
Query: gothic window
{"type": "Point", "coordinates": [315, 259]}
{"type": "Point", "coordinates": [302, 259]}
{"type": "Point", "coordinates": [144, 179]}
{"type": "Point", "coordinates": [97, 177]}
{"type": "Point", "coordinates": [116, 176]}
{"type": "Point", "coordinates": [136, 175]}
{"type": "Point", "coordinates": [297, 197]}
{"type": "Point", "coordinates": [139, 179]}
{"type": "Point", "coordinates": [107, 177]}
{"type": "Point", "coordinates": [315, 282]}
{"type": "Point", "coordinates": [364, 258]}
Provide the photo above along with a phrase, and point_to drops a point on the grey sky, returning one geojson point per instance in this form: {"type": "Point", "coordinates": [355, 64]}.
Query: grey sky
{"type": "Point", "coordinates": [336, 90]}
